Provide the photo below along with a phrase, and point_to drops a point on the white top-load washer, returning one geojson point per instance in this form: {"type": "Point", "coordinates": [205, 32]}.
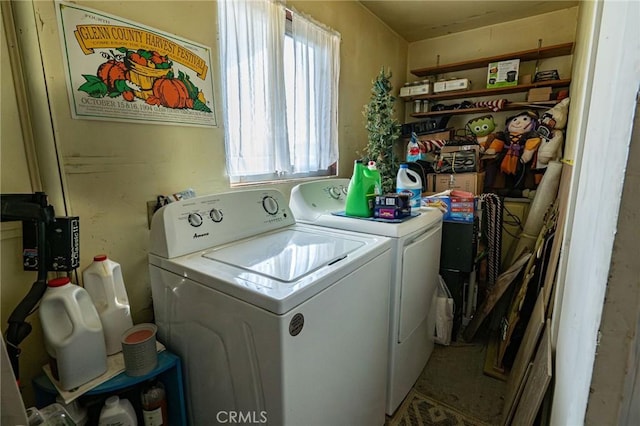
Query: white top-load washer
{"type": "Point", "coordinates": [275, 322]}
{"type": "Point", "coordinates": [415, 262]}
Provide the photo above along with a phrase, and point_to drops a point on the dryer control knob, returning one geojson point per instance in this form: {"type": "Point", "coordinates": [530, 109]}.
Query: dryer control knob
{"type": "Point", "coordinates": [335, 192]}
{"type": "Point", "coordinates": [194, 219]}
{"type": "Point", "coordinates": [216, 215]}
{"type": "Point", "coordinates": [270, 205]}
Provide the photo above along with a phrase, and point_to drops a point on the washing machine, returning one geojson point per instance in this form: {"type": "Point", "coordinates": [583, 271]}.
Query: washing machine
{"type": "Point", "coordinates": [415, 259]}
{"type": "Point", "coordinates": [275, 322]}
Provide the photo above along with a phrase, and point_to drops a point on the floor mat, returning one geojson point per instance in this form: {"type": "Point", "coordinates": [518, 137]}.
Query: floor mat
{"type": "Point", "coordinates": [421, 410]}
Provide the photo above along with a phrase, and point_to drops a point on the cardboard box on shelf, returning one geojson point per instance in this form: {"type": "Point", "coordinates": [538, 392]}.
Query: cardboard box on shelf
{"type": "Point", "coordinates": [539, 94]}
{"type": "Point", "coordinates": [452, 85]}
{"type": "Point", "coordinates": [503, 73]}
{"type": "Point", "coordinates": [470, 182]}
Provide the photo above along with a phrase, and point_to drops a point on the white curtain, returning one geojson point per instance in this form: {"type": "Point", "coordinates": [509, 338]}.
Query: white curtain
{"type": "Point", "coordinates": [251, 49]}
{"type": "Point", "coordinates": [312, 101]}
{"type": "Point", "coordinates": [280, 90]}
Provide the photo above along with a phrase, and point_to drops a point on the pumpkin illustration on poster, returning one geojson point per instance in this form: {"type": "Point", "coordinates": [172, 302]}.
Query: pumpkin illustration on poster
{"type": "Point", "coordinates": [145, 75]}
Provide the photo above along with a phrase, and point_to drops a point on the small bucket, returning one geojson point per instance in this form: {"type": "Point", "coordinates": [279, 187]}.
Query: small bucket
{"type": "Point", "coordinates": [144, 77]}
{"type": "Point", "coordinates": [139, 349]}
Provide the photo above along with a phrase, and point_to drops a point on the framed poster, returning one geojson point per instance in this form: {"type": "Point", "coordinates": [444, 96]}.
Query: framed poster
{"type": "Point", "coordinates": [119, 70]}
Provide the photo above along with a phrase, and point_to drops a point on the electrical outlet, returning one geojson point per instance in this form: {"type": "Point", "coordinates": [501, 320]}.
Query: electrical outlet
{"type": "Point", "coordinates": [151, 209]}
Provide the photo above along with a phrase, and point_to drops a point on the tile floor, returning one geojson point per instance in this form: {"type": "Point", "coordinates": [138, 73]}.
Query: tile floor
{"type": "Point", "coordinates": [454, 375]}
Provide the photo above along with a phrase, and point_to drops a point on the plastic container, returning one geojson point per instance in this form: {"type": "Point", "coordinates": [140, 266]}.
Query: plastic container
{"type": "Point", "coordinates": [409, 182]}
{"type": "Point", "coordinates": [413, 149]}
{"type": "Point", "coordinates": [373, 178]}
{"type": "Point", "coordinates": [139, 349]}
{"type": "Point", "coordinates": [51, 415]}
{"type": "Point", "coordinates": [364, 185]}
{"type": "Point", "coordinates": [154, 404]}
{"type": "Point", "coordinates": [72, 333]}
{"type": "Point", "coordinates": [117, 412]}
{"type": "Point", "coordinates": [103, 280]}
{"type": "Point", "coordinates": [356, 203]}
{"type": "Point", "coordinates": [77, 412]}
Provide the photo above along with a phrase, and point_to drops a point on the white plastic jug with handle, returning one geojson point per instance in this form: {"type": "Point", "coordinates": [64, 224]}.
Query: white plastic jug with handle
{"type": "Point", "coordinates": [103, 280]}
{"type": "Point", "coordinates": [72, 333]}
{"type": "Point", "coordinates": [409, 182]}
{"type": "Point", "coordinates": [117, 412]}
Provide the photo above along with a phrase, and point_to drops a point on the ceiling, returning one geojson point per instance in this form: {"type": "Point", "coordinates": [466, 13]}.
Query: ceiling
{"type": "Point", "coordinates": [419, 20]}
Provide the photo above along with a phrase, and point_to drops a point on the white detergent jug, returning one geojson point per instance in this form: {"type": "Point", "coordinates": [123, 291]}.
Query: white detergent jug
{"type": "Point", "coordinates": [103, 280]}
{"type": "Point", "coordinates": [409, 182]}
{"type": "Point", "coordinates": [117, 412]}
{"type": "Point", "coordinates": [72, 333]}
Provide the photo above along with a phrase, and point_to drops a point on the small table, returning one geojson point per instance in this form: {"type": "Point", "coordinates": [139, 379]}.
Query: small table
{"type": "Point", "coordinates": [168, 371]}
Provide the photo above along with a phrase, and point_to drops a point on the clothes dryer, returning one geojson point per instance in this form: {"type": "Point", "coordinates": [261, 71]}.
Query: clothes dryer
{"type": "Point", "coordinates": [275, 322]}
{"type": "Point", "coordinates": [415, 259]}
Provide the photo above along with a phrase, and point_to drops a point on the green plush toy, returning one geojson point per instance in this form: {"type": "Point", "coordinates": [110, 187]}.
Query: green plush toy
{"type": "Point", "coordinates": [483, 129]}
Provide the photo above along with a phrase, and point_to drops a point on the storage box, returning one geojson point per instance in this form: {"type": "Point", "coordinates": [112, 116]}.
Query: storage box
{"type": "Point", "coordinates": [456, 148]}
{"type": "Point", "coordinates": [451, 85]}
{"type": "Point", "coordinates": [503, 74]}
{"type": "Point", "coordinates": [470, 182]}
{"type": "Point", "coordinates": [454, 209]}
{"type": "Point", "coordinates": [392, 206]}
{"type": "Point", "coordinates": [421, 89]}
{"type": "Point", "coordinates": [405, 91]}
{"type": "Point", "coordinates": [539, 94]}
{"type": "Point", "coordinates": [460, 155]}
{"type": "Point", "coordinates": [415, 90]}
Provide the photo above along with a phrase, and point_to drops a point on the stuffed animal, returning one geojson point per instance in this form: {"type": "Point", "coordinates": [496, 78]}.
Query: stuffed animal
{"type": "Point", "coordinates": [483, 130]}
{"type": "Point", "coordinates": [522, 141]}
{"type": "Point", "coordinates": [550, 129]}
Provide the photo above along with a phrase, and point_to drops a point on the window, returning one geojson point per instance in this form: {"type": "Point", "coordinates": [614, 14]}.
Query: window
{"type": "Point", "coordinates": [280, 92]}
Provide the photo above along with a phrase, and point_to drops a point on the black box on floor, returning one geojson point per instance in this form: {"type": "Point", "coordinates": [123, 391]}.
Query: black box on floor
{"type": "Point", "coordinates": [63, 244]}
{"type": "Point", "coordinates": [459, 245]}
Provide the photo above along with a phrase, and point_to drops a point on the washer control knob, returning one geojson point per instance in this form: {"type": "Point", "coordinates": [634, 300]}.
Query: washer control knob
{"type": "Point", "coordinates": [335, 192]}
{"type": "Point", "coordinates": [344, 190]}
{"type": "Point", "coordinates": [216, 215]}
{"type": "Point", "coordinates": [270, 205]}
{"type": "Point", "coordinates": [195, 219]}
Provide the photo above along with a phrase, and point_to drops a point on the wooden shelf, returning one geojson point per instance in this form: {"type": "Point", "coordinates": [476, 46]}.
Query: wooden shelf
{"type": "Point", "coordinates": [508, 107]}
{"type": "Point", "coordinates": [489, 92]}
{"type": "Point", "coordinates": [525, 55]}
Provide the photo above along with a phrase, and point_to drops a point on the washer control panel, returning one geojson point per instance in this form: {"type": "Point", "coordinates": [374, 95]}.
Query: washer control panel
{"type": "Point", "coordinates": [204, 222]}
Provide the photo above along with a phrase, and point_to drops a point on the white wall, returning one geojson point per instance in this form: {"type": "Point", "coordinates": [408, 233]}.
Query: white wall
{"type": "Point", "coordinates": [599, 171]}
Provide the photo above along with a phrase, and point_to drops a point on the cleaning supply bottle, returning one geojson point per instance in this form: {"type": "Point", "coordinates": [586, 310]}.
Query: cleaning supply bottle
{"type": "Point", "coordinates": [413, 149]}
{"type": "Point", "coordinates": [409, 182]}
{"type": "Point", "coordinates": [72, 333]}
{"type": "Point", "coordinates": [373, 180]}
{"type": "Point", "coordinates": [117, 412]}
{"type": "Point", "coordinates": [357, 203]}
{"type": "Point", "coordinates": [103, 280]}
{"type": "Point", "coordinates": [154, 403]}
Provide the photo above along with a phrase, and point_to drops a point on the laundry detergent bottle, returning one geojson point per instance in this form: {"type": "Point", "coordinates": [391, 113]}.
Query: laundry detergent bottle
{"type": "Point", "coordinates": [357, 203]}
{"type": "Point", "coordinates": [373, 180]}
{"type": "Point", "coordinates": [72, 333]}
{"type": "Point", "coordinates": [103, 280]}
{"type": "Point", "coordinates": [409, 182]}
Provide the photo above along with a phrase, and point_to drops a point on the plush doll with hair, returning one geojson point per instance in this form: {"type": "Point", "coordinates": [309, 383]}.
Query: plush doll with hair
{"type": "Point", "coordinates": [522, 141]}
